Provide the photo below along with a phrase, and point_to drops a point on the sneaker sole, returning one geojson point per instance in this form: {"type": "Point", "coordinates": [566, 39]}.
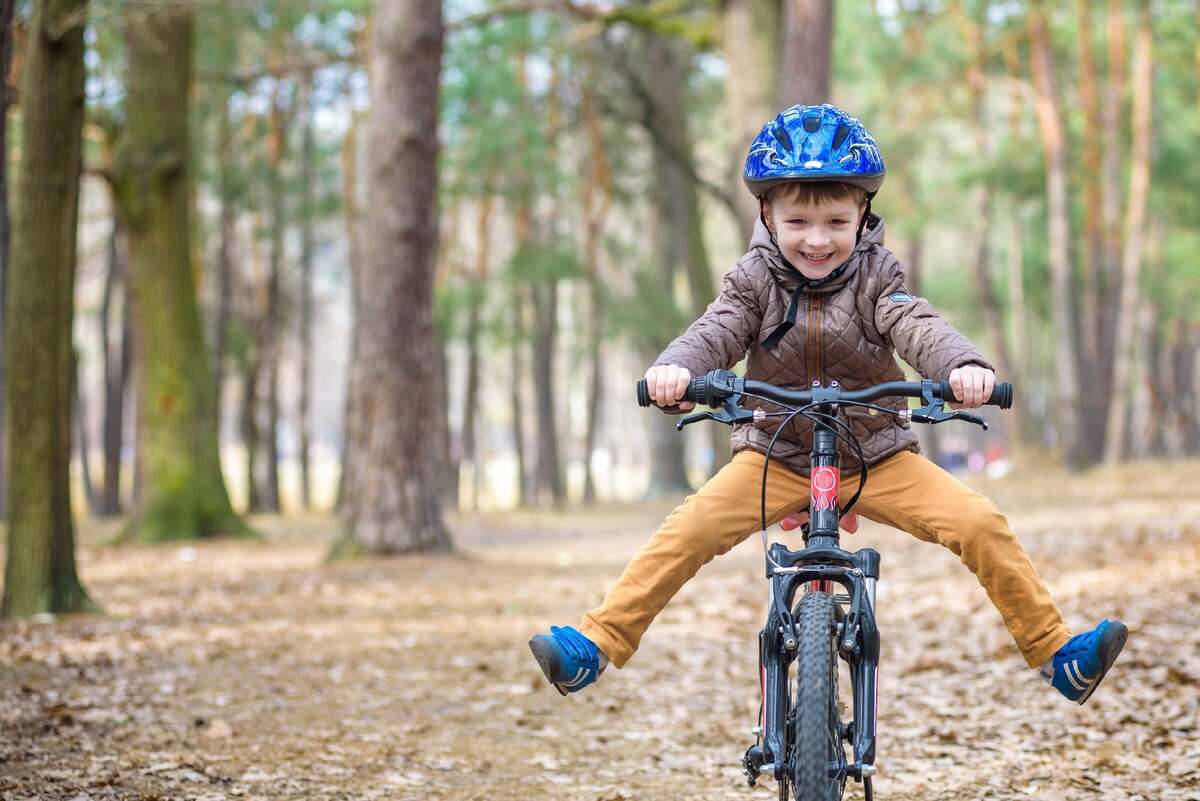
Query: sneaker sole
{"type": "Point", "coordinates": [1111, 643]}
{"type": "Point", "coordinates": [544, 654]}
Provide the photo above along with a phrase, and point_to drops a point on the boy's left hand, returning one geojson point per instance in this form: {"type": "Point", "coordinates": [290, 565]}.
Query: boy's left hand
{"type": "Point", "coordinates": [972, 386]}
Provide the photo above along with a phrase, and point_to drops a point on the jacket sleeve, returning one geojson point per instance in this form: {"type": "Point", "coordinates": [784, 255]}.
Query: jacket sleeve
{"type": "Point", "coordinates": [918, 333]}
{"type": "Point", "coordinates": [722, 335]}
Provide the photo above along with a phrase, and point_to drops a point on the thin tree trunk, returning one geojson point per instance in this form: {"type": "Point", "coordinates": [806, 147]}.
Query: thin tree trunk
{"type": "Point", "coordinates": [471, 450]}
{"type": "Point", "coordinates": [396, 503]}
{"type": "Point", "coordinates": [1135, 223]}
{"type": "Point", "coordinates": [354, 261]}
{"type": "Point", "coordinates": [307, 158]}
{"type": "Point", "coordinates": [272, 329]}
{"type": "Point", "coordinates": [82, 446]}
{"type": "Point", "coordinates": [251, 370]}
{"type": "Point", "coordinates": [1061, 285]}
{"type": "Point", "coordinates": [525, 487]}
{"type": "Point", "coordinates": [116, 376]}
{"type": "Point", "coordinates": [1095, 294]}
{"type": "Point", "coordinates": [981, 272]}
{"type": "Point", "coordinates": [40, 574]}
{"type": "Point", "coordinates": [806, 63]}
{"type": "Point", "coordinates": [184, 495]}
{"type": "Point", "coordinates": [6, 47]}
{"type": "Point", "coordinates": [227, 231]}
{"type": "Point", "coordinates": [1113, 246]}
{"type": "Point", "coordinates": [549, 466]}
{"type": "Point", "coordinates": [597, 201]}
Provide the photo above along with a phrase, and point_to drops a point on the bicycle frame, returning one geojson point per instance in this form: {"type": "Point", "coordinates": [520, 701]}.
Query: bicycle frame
{"type": "Point", "coordinates": [819, 566]}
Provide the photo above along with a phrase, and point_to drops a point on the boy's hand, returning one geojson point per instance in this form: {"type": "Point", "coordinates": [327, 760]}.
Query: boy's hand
{"type": "Point", "coordinates": [667, 383]}
{"type": "Point", "coordinates": [972, 386]}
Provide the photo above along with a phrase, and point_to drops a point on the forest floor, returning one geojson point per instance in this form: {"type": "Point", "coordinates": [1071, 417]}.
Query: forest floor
{"type": "Point", "coordinates": [251, 670]}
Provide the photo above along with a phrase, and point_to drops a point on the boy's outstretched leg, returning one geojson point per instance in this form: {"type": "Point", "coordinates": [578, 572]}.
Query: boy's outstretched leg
{"type": "Point", "coordinates": [569, 660]}
{"type": "Point", "coordinates": [1077, 669]}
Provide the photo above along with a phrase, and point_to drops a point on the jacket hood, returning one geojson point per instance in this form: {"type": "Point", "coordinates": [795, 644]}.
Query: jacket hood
{"type": "Point", "coordinates": [789, 278]}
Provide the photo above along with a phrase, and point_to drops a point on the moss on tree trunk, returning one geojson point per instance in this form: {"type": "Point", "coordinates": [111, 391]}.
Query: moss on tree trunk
{"type": "Point", "coordinates": [184, 495]}
{"type": "Point", "coordinates": [40, 573]}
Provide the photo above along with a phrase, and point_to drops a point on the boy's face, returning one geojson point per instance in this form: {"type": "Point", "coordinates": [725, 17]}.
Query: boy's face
{"type": "Point", "coordinates": [815, 237]}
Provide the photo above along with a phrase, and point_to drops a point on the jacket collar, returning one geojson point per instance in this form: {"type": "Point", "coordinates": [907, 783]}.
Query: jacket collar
{"type": "Point", "coordinates": [788, 278]}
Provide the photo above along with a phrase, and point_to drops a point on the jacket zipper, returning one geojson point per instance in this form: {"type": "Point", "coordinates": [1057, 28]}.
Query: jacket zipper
{"type": "Point", "coordinates": [815, 361]}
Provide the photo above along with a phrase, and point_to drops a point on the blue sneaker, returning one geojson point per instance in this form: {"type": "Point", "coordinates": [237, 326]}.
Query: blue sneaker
{"type": "Point", "coordinates": [1080, 665]}
{"type": "Point", "coordinates": [569, 660]}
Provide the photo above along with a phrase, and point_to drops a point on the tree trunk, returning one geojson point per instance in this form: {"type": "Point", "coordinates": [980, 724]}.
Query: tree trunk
{"type": "Point", "coordinates": [1061, 285]}
{"type": "Point", "coordinates": [251, 370]}
{"type": "Point", "coordinates": [525, 487]}
{"type": "Point", "coordinates": [1095, 292]}
{"type": "Point", "coordinates": [981, 271]}
{"type": "Point", "coordinates": [395, 506]}
{"type": "Point", "coordinates": [227, 230]}
{"type": "Point", "coordinates": [40, 574]}
{"type": "Point", "coordinates": [183, 495]}
{"type": "Point", "coordinates": [116, 375]}
{"type": "Point", "coordinates": [6, 47]}
{"type": "Point", "coordinates": [1135, 223]}
{"type": "Point", "coordinates": [272, 328]}
{"type": "Point", "coordinates": [752, 46]}
{"type": "Point", "coordinates": [471, 449]}
{"type": "Point", "coordinates": [806, 63]}
{"type": "Point", "coordinates": [549, 468]}
{"type": "Point", "coordinates": [308, 211]}
{"type": "Point", "coordinates": [82, 446]}
{"type": "Point", "coordinates": [354, 265]}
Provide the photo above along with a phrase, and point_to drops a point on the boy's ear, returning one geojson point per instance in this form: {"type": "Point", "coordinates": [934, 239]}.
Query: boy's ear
{"type": "Point", "coordinates": [765, 208]}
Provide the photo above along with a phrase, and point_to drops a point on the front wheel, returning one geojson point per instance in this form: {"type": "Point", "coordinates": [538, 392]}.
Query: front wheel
{"type": "Point", "coordinates": [818, 743]}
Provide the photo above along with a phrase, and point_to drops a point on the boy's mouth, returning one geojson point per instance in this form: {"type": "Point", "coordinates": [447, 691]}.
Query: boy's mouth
{"type": "Point", "coordinates": [816, 258]}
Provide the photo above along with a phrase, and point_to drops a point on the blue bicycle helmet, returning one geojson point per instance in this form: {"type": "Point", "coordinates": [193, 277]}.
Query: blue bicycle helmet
{"type": "Point", "coordinates": [813, 143]}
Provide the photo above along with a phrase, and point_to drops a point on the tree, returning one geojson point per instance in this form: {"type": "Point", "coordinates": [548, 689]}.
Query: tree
{"type": "Point", "coordinates": [6, 44]}
{"type": "Point", "coordinates": [40, 573]}
{"type": "Point", "coordinates": [183, 494]}
{"type": "Point", "coordinates": [805, 64]}
{"type": "Point", "coordinates": [394, 504]}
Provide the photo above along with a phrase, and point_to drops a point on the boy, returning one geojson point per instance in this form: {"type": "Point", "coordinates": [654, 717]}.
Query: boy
{"type": "Point", "coordinates": [818, 298]}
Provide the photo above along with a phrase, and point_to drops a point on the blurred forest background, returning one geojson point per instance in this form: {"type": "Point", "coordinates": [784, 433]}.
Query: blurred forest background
{"type": "Point", "coordinates": [393, 258]}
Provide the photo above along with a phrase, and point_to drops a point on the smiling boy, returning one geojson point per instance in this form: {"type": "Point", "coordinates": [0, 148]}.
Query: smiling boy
{"type": "Point", "coordinates": [818, 298]}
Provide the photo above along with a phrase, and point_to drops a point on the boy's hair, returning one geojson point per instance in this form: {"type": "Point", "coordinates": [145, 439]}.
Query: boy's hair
{"type": "Point", "coordinates": [814, 192]}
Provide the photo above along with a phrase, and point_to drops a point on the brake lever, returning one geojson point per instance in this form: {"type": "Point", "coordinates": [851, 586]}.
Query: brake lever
{"type": "Point", "coordinates": [935, 413]}
{"type": "Point", "coordinates": [730, 414]}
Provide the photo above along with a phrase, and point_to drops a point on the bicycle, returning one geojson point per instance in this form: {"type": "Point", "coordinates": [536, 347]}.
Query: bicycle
{"type": "Point", "coordinates": [801, 740]}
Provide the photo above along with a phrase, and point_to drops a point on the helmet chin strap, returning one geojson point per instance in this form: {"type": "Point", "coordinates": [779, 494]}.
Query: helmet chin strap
{"type": "Point", "coordinates": [789, 321]}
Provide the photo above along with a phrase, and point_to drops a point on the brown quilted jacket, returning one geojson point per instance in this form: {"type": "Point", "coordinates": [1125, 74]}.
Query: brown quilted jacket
{"type": "Point", "coordinates": [849, 330]}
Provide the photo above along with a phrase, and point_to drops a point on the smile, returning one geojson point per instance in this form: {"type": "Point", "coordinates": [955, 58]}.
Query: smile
{"type": "Point", "coordinates": [817, 257]}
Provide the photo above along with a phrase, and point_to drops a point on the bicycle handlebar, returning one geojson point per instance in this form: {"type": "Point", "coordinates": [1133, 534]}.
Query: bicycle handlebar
{"type": "Point", "coordinates": [718, 386]}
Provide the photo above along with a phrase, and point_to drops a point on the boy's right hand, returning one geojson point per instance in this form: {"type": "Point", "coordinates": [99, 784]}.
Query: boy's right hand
{"type": "Point", "coordinates": [667, 383]}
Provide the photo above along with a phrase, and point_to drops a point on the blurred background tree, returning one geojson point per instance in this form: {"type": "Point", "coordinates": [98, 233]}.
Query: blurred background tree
{"type": "Point", "coordinates": [588, 159]}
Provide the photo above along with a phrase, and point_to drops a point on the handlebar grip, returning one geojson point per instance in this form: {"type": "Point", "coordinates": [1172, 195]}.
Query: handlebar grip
{"type": "Point", "coordinates": [643, 394]}
{"type": "Point", "coordinates": [1002, 394]}
{"type": "Point", "coordinates": [696, 392]}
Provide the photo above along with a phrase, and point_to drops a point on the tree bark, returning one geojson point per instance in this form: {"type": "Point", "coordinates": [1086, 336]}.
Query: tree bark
{"type": "Point", "coordinates": [807, 62]}
{"type": "Point", "coordinates": [396, 506]}
{"type": "Point", "coordinates": [307, 159]}
{"type": "Point", "coordinates": [471, 449]}
{"type": "Point", "coordinates": [6, 47]}
{"type": "Point", "coordinates": [1049, 117]}
{"type": "Point", "coordinates": [751, 48]}
{"type": "Point", "coordinates": [116, 375]}
{"type": "Point", "coordinates": [354, 265]}
{"type": "Point", "coordinates": [227, 231]}
{"type": "Point", "coordinates": [1135, 223]}
{"type": "Point", "coordinates": [549, 467]}
{"type": "Point", "coordinates": [82, 446]}
{"type": "Point", "coordinates": [40, 574]}
{"type": "Point", "coordinates": [183, 493]}
{"type": "Point", "coordinates": [272, 327]}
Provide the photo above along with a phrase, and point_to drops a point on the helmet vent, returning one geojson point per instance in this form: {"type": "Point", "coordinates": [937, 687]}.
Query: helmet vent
{"type": "Point", "coordinates": [781, 136]}
{"type": "Point", "coordinates": [840, 135]}
{"type": "Point", "coordinates": [812, 124]}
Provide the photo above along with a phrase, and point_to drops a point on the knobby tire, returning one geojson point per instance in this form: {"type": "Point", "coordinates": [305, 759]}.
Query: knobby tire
{"type": "Point", "coordinates": [817, 739]}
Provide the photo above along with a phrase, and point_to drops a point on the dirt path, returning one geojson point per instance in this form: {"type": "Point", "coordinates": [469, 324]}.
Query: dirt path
{"type": "Point", "coordinates": [252, 671]}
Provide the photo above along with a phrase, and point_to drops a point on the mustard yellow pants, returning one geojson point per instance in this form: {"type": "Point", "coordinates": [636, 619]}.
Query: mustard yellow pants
{"type": "Point", "coordinates": [905, 491]}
